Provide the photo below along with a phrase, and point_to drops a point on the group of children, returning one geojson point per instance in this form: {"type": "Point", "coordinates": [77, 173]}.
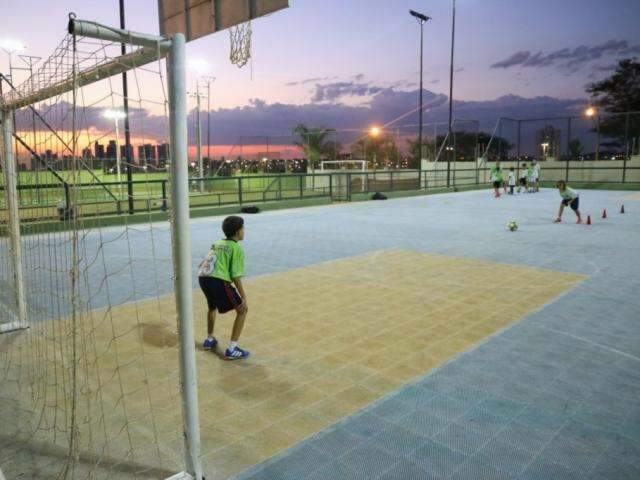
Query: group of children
{"type": "Point", "coordinates": [220, 273]}
{"type": "Point", "coordinates": [528, 179]}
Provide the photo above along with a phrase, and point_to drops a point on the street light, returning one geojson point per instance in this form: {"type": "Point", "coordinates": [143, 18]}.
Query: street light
{"type": "Point", "coordinates": [116, 115]}
{"type": "Point", "coordinates": [592, 112]}
{"type": "Point", "coordinates": [422, 19]}
{"type": "Point", "coordinates": [208, 79]}
{"type": "Point", "coordinates": [450, 134]}
{"type": "Point", "coordinates": [11, 46]}
{"type": "Point", "coordinates": [374, 131]}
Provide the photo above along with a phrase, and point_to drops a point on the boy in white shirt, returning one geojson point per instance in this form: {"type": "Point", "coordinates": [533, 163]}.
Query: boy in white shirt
{"type": "Point", "coordinates": [512, 180]}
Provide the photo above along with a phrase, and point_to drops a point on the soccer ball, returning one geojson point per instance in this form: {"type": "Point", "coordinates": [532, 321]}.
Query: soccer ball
{"type": "Point", "coordinates": [512, 225]}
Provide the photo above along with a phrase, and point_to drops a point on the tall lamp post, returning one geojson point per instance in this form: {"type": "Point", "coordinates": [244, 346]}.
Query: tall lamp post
{"type": "Point", "coordinates": [116, 115]}
{"type": "Point", "coordinates": [208, 80]}
{"type": "Point", "coordinates": [450, 134]}
{"type": "Point", "coordinates": [422, 19]}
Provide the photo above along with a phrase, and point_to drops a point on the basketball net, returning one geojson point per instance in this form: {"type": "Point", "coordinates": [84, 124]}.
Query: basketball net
{"type": "Point", "coordinates": [240, 37]}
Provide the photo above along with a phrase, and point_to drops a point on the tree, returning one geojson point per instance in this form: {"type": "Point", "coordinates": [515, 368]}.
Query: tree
{"type": "Point", "coordinates": [380, 150]}
{"type": "Point", "coordinates": [315, 143]}
{"type": "Point", "coordinates": [575, 148]}
{"type": "Point", "coordinates": [620, 93]}
{"type": "Point", "coordinates": [467, 145]}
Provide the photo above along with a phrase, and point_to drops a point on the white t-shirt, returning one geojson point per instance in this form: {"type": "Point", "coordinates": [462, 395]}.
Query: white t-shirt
{"type": "Point", "coordinates": [512, 178]}
{"type": "Point", "coordinates": [536, 171]}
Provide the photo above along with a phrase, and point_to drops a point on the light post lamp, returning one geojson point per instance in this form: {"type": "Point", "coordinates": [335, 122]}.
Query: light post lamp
{"type": "Point", "coordinates": [11, 46]}
{"type": "Point", "coordinates": [208, 79]}
{"type": "Point", "coordinates": [450, 134]}
{"type": "Point", "coordinates": [372, 132]}
{"type": "Point", "coordinates": [592, 112]}
{"type": "Point", "coordinates": [422, 19]}
{"type": "Point", "coordinates": [116, 115]}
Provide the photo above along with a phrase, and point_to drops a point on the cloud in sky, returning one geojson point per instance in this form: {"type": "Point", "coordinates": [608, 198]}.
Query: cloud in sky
{"type": "Point", "coordinates": [332, 91]}
{"type": "Point", "coordinates": [310, 80]}
{"type": "Point", "coordinates": [569, 58]}
{"type": "Point", "coordinates": [252, 122]}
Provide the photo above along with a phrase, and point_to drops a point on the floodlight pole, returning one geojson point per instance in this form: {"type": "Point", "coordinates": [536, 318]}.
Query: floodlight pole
{"type": "Point", "coordinates": [199, 137]}
{"type": "Point", "coordinates": [128, 151]}
{"type": "Point", "coordinates": [11, 199]}
{"type": "Point", "coordinates": [118, 155]}
{"type": "Point", "coordinates": [422, 19]}
{"type": "Point", "coordinates": [181, 247]}
{"type": "Point", "coordinates": [453, 37]}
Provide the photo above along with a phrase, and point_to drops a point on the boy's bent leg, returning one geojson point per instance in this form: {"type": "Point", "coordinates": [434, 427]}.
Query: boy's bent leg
{"type": "Point", "coordinates": [238, 325]}
{"type": "Point", "coordinates": [211, 322]}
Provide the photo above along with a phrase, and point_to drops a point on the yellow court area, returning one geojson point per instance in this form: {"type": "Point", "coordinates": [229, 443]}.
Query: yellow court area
{"type": "Point", "coordinates": [633, 196]}
{"type": "Point", "coordinates": [326, 340]}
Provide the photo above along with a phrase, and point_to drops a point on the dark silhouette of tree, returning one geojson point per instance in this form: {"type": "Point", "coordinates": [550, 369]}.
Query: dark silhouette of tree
{"type": "Point", "coordinates": [618, 94]}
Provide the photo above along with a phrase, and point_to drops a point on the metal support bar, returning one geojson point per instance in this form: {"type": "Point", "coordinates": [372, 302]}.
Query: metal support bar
{"type": "Point", "coordinates": [87, 28]}
{"type": "Point", "coordinates": [11, 198]}
{"type": "Point", "coordinates": [181, 242]}
{"type": "Point", "coordinates": [118, 65]}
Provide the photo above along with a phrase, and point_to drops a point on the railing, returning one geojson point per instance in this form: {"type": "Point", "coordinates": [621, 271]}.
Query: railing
{"type": "Point", "coordinates": [64, 201]}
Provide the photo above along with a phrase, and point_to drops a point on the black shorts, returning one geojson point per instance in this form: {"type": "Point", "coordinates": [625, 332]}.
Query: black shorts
{"type": "Point", "coordinates": [574, 204]}
{"type": "Point", "coordinates": [523, 182]}
{"type": "Point", "coordinates": [221, 295]}
{"type": "Point", "coordinates": [497, 184]}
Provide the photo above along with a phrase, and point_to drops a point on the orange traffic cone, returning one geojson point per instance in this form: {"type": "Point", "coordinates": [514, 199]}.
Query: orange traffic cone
{"type": "Point", "coordinates": [604, 213]}
{"type": "Point", "coordinates": [588, 219]}
{"type": "Point", "coordinates": [622, 209]}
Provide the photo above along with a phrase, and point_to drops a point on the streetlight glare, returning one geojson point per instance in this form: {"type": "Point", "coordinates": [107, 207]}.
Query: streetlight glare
{"type": "Point", "coordinates": [590, 112]}
{"type": "Point", "coordinates": [374, 131]}
{"type": "Point", "coordinates": [11, 45]}
{"type": "Point", "coordinates": [114, 114]}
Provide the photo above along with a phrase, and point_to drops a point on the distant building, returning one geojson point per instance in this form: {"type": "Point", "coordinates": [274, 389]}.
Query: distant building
{"type": "Point", "coordinates": [147, 154]}
{"type": "Point", "coordinates": [111, 149]}
{"type": "Point", "coordinates": [163, 152]}
{"type": "Point", "coordinates": [548, 141]}
{"type": "Point", "coordinates": [86, 153]}
{"type": "Point", "coordinates": [98, 150]}
{"type": "Point", "coordinates": [123, 153]}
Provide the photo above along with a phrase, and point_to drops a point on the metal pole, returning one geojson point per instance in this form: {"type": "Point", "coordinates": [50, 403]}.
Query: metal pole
{"type": "Point", "coordinates": [597, 137]}
{"type": "Point", "coordinates": [199, 137]}
{"type": "Point", "coordinates": [181, 243]}
{"type": "Point", "coordinates": [420, 121]}
{"type": "Point", "coordinates": [566, 173]}
{"type": "Point", "coordinates": [127, 131]}
{"type": "Point", "coordinates": [118, 157]}
{"type": "Point", "coordinates": [11, 198]}
{"type": "Point", "coordinates": [209, 120]}
{"type": "Point", "coordinates": [453, 36]}
{"type": "Point", "coordinates": [626, 148]}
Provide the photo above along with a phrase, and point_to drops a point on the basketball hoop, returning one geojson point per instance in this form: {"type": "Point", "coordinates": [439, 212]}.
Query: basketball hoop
{"type": "Point", "coordinates": [240, 38]}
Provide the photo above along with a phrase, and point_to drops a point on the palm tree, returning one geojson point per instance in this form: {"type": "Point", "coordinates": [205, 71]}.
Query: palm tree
{"type": "Point", "coordinates": [315, 143]}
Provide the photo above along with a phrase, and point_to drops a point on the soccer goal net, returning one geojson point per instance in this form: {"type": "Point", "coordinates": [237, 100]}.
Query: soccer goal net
{"type": "Point", "coordinates": [94, 366]}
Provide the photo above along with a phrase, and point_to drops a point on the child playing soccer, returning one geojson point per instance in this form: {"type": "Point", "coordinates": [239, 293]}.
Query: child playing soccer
{"type": "Point", "coordinates": [569, 197]}
{"type": "Point", "coordinates": [530, 180]}
{"type": "Point", "coordinates": [223, 265]}
{"type": "Point", "coordinates": [497, 178]}
{"type": "Point", "coordinates": [523, 178]}
{"type": "Point", "coordinates": [512, 180]}
{"type": "Point", "coordinates": [536, 176]}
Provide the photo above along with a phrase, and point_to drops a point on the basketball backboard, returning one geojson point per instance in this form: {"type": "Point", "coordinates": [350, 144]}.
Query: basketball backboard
{"type": "Point", "coordinates": [198, 18]}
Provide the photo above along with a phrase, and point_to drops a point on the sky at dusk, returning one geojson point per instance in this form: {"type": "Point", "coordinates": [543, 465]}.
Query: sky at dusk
{"type": "Point", "coordinates": [351, 63]}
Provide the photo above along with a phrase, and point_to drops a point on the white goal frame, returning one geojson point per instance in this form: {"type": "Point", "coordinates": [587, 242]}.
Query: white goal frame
{"type": "Point", "coordinates": [363, 164]}
{"type": "Point", "coordinates": [151, 48]}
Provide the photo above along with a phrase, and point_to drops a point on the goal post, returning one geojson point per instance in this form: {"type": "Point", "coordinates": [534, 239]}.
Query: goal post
{"type": "Point", "coordinates": [13, 224]}
{"type": "Point", "coordinates": [151, 48]}
{"type": "Point", "coordinates": [326, 164]}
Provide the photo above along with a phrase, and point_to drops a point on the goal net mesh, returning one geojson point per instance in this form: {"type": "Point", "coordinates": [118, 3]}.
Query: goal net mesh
{"type": "Point", "coordinates": [90, 389]}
